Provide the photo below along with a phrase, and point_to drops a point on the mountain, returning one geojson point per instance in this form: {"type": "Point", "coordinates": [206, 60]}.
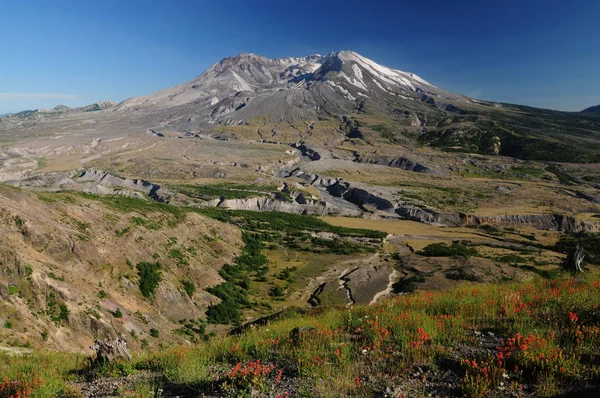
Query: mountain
{"type": "Point", "coordinates": [592, 109]}
{"type": "Point", "coordinates": [57, 111]}
{"type": "Point", "coordinates": [311, 99]}
{"type": "Point", "coordinates": [238, 89]}
{"type": "Point", "coordinates": [287, 95]}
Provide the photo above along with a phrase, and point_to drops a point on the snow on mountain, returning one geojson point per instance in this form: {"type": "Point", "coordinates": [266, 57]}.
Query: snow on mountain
{"type": "Point", "coordinates": [250, 85]}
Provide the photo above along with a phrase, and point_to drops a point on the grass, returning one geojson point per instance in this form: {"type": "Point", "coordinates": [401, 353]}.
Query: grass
{"type": "Point", "coordinates": [290, 223]}
{"type": "Point", "coordinates": [225, 191]}
{"type": "Point", "coordinates": [548, 339]}
{"type": "Point", "coordinates": [174, 215]}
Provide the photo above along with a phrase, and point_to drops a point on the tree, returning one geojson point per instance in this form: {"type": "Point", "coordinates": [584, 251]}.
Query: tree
{"type": "Point", "coordinates": [150, 276]}
{"type": "Point", "coordinates": [574, 259]}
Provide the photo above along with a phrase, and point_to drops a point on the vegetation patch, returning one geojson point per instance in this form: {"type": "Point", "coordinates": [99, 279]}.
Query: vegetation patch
{"type": "Point", "coordinates": [456, 250]}
{"type": "Point", "coordinates": [224, 191]}
{"type": "Point", "coordinates": [150, 276]}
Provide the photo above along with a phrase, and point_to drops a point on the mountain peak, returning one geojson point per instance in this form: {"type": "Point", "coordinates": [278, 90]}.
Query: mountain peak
{"type": "Point", "coordinates": [249, 85]}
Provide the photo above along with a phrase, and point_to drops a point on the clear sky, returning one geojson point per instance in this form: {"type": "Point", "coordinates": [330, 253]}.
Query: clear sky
{"type": "Point", "coordinates": [543, 53]}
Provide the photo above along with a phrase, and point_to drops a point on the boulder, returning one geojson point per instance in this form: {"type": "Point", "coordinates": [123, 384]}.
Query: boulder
{"type": "Point", "coordinates": [109, 351]}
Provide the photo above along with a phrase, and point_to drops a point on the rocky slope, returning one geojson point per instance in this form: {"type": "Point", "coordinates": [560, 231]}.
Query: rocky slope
{"type": "Point", "coordinates": [68, 269]}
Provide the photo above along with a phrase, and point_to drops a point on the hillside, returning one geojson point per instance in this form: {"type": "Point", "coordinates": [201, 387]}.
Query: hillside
{"type": "Point", "coordinates": [532, 339]}
{"type": "Point", "coordinates": [71, 268]}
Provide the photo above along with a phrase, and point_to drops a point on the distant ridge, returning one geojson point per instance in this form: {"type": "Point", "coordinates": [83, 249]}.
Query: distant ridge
{"type": "Point", "coordinates": [592, 109]}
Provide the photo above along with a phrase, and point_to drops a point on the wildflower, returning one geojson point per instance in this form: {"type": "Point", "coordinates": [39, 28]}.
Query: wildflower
{"type": "Point", "coordinates": [357, 381]}
{"type": "Point", "coordinates": [573, 317]}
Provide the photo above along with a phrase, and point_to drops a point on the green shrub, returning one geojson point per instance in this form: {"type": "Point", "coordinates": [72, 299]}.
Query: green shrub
{"type": "Point", "coordinates": [223, 313]}
{"type": "Point", "coordinates": [188, 286]}
{"type": "Point", "coordinates": [118, 313]}
{"type": "Point", "coordinates": [154, 333]}
{"type": "Point", "coordinates": [8, 325]}
{"type": "Point", "coordinates": [150, 276]}
{"type": "Point", "coordinates": [276, 291]}
{"type": "Point", "coordinates": [454, 250]}
{"type": "Point", "coordinates": [511, 259]}
{"type": "Point", "coordinates": [52, 275]}
{"type": "Point", "coordinates": [589, 241]}
{"type": "Point", "coordinates": [178, 255]}
{"type": "Point", "coordinates": [63, 315]}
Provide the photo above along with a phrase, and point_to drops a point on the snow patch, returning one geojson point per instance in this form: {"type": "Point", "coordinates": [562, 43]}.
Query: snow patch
{"type": "Point", "coordinates": [345, 92]}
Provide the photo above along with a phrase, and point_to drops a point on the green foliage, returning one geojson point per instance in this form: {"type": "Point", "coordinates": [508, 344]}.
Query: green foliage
{"type": "Point", "coordinates": [102, 294]}
{"type": "Point", "coordinates": [225, 191]}
{"type": "Point", "coordinates": [128, 205]}
{"type": "Point", "coordinates": [193, 329]}
{"type": "Point", "coordinates": [276, 291]}
{"type": "Point", "coordinates": [64, 312]}
{"type": "Point", "coordinates": [546, 331]}
{"type": "Point", "coordinates": [51, 275]}
{"type": "Point", "coordinates": [462, 274]}
{"type": "Point", "coordinates": [188, 286]}
{"type": "Point", "coordinates": [118, 313]}
{"type": "Point", "coordinates": [144, 222]}
{"type": "Point", "coordinates": [384, 131]}
{"type": "Point", "coordinates": [234, 291]}
{"type": "Point", "coordinates": [589, 241]}
{"type": "Point", "coordinates": [121, 232]}
{"type": "Point", "coordinates": [57, 311]}
{"type": "Point", "coordinates": [286, 222]}
{"type": "Point", "coordinates": [150, 276]}
{"type": "Point", "coordinates": [511, 259]}
{"type": "Point", "coordinates": [457, 250]}
{"type": "Point", "coordinates": [8, 324]}
{"type": "Point", "coordinates": [177, 254]}
{"type": "Point", "coordinates": [223, 313]}
{"type": "Point", "coordinates": [286, 274]}
{"type": "Point", "coordinates": [154, 333]}
{"type": "Point", "coordinates": [13, 290]}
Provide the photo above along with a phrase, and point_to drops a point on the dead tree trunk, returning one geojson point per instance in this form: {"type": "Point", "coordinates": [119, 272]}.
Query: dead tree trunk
{"type": "Point", "coordinates": [109, 351]}
{"type": "Point", "coordinates": [574, 259]}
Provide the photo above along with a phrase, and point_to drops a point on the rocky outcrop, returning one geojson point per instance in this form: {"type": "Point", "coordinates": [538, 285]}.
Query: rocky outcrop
{"type": "Point", "coordinates": [96, 181]}
{"type": "Point", "coordinates": [360, 197]}
{"type": "Point", "coordinates": [397, 162]}
{"type": "Point", "coordinates": [306, 151]}
{"type": "Point", "coordinates": [271, 204]}
{"type": "Point", "coordinates": [547, 222]}
{"type": "Point", "coordinates": [110, 351]}
{"type": "Point", "coordinates": [427, 216]}
{"type": "Point", "coordinates": [104, 179]}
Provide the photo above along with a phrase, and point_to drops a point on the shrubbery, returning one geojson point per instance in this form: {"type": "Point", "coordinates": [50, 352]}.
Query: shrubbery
{"type": "Point", "coordinates": [150, 276]}
{"type": "Point", "coordinates": [443, 250]}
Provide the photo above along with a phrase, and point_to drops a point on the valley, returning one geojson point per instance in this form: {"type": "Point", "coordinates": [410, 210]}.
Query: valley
{"type": "Point", "coordinates": [319, 193]}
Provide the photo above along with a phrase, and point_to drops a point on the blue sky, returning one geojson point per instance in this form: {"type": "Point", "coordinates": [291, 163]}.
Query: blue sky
{"type": "Point", "coordinates": [538, 53]}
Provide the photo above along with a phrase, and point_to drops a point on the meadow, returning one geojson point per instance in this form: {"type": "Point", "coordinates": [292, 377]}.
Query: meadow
{"type": "Point", "coordinates": [540, 338]}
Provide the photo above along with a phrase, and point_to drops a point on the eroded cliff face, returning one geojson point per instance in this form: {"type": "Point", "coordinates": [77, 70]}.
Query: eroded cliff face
{"type": "Point", "coordinates": [336, 197]}
{"type": "Point", "coordinates": [401, 163]}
